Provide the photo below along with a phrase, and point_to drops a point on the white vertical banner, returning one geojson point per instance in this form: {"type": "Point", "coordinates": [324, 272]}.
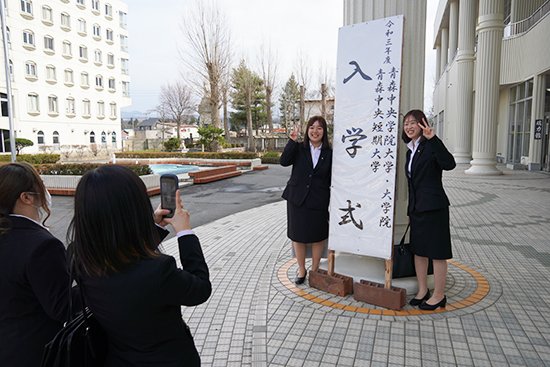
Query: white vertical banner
{"type": "Point", "coordinates": [366, 135]}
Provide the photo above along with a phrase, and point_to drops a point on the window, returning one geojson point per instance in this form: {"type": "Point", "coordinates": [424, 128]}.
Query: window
{"type": "Point", "coordinates": [126, 89]}
{"type": "Point", "coordinates": [112, 107]}
{"type": "Point", "coordinates": [113, 138]}
{"type": "Point", "coordinates": [100, 109]}
{"type": "Point", "coordinates": [84, 80]}
{"type": "Point", "coordinates": [98, 57]}
{"type": "Point", "coordinates": [110, 60]}
{"type": "Point", "coordinates": [81, 3]}
{"type": "Point", "coordinates": [70, 110]}
{"type": "Point", "coordinates": [83, 53]}
{"type": "Point", "coordinates": [99, 82]}
{"type": "Point", "coordinates": [47, 15]}
{"type": "Point", "coordinates": [519, 125]}
{"type": "Point", "coordinates": [95, 6]}
{"type": "Point", "coordinates": [30, 70]}
{"type": "Point", "coordinates": [52, 105]}
{"type": "Point", "coordinates": [123, 43]}
{"type": "Point", "coordinates": [8, 36]}
{"type": "Point", "coordinates": [4, 104]}
{"type": "Point", "coordinates": [96, 30]}
{"type": "Point", "coordinates": [48, 44]}
{"type": "Point", "coordinates": [92, 138]}
{"type": "Point", "coordinates": [69, 78]}
{"type": "Point", "coordinates": [28, 39]}
{"type": "Point", "coordinates": [108, 11]}
{"type": "Point", "coordinates": [103, 137]}
{"type": "Point", "coordinates": [26, 7]}
{"type": "Point", "coordinates": [50, 73]}
{"type": "Point", "coordinates": [112, 84]}
{"type": "Point", "coordinates": [55, 138]}
{"type": "Point", "coordinates": [124, 66]}
{"type": "Point", "coordinates": [40, 137]}
{"type": "Point", "coordinates": [82, 27]}
{"type": "Point", "coordinates": [32, 103]}
{"type": "Point", "coordinates": [67, 49]}
{"type": "Point", "coordinates": [86, 107]}
{"type": "Point", "coordinates": [122, 19]}
{"type": "Point", "coordinates": [65, 21]}
{"type": "Point", "coordinates": [10, 66]}
{"type": "Point", "coordinates": [109, 35]}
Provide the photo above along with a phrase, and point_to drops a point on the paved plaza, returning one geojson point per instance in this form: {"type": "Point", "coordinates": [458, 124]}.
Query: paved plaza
{"type": "Point", "coordinates": [498, 311]}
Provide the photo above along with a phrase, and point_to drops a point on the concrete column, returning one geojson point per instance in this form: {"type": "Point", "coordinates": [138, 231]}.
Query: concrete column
{"type": "Point", "coordinates": [535, 146]}
{"type": "Point", "coordinates": [465, 82]}
{"type": "Point", "coordinates": [444, 49]}
{"type": "Point", "coordinates": [438, 63]}
{"type": "Point", "coordinates": [453, 29]}
{"type": "Point", "coordinates": [490, 29]}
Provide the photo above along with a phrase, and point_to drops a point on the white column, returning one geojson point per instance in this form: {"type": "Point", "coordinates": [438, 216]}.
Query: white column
{"type": "Point", "coordinates": [490, 26]}
{"type": "Point", "coordinates": [444, 49]}
{"type": "Point", "coordinates": [453, 29]}
{"type": "Point", "coordinates": [438, 63]}
{"type": "Point", "coordinates": [535, 146]}
{"type": "Point", "coordinates": [465, 83]}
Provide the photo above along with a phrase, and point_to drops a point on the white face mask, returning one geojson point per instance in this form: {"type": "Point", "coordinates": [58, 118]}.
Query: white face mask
{"type": "Point", "coordinates": [41, 211]}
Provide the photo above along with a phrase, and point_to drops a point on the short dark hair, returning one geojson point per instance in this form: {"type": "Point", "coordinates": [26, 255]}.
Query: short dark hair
{"type": "Point", "coordinates": [418, 116]}
{"type": "Point", "coordinates": [324, 125]}
{"type": "Point", "coordinates": [16, 178]}
{"type": "Point", "coordinates": [113, 222]}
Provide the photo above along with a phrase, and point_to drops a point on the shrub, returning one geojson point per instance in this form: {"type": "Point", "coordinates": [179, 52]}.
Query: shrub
{"type": "Point", "coordinates": [172, 144]}
{"type": "Point", "coordinates": [271, 157]}
{"type": "Point", "coordinates": [151, 154]}
{"type": "Point", "coordinates": [33, 158]}
{"type": "Point", "coordinates": [222, 155]}
{"type": "Point", "coordinates": [78, 169]}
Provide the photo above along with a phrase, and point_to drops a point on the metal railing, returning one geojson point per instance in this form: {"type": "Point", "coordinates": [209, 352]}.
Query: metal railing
{"type": "Point", "coordinates": [514, 29]}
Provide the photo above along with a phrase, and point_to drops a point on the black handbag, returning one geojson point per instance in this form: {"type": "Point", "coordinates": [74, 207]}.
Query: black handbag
{"type": "Point", "coordinates": [82, 341]}
{"type": "Point", "coordinates": [403, 260]}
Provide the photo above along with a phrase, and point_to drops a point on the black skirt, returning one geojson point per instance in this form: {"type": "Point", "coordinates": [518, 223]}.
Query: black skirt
{"type": "Point", "coordinates": [431, 235]}
{"type": "Point", "coordinates": [306, 225]}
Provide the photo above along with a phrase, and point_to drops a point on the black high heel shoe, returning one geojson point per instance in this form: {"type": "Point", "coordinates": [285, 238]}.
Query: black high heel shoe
{"type": "Point", "coordinates": [428, 307]}
{"type": "Point", "coordinates": [418, 301]}
{"type": "Point", "coordinates": [300, 280]}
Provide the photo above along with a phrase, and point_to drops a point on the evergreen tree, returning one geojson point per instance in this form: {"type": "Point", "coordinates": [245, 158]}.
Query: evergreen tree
{"type": "Point", "coordinates": [289, 103]}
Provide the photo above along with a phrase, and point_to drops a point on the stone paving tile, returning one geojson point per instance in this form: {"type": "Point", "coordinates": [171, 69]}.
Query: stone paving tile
{"type": "Point", "coordinates": [500, 227]}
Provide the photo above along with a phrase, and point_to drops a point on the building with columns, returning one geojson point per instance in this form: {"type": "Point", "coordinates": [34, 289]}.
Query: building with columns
{"type": "Point", "coordinates": [492, 92]}
{"type": "Point", "coordinates": [68, 63]}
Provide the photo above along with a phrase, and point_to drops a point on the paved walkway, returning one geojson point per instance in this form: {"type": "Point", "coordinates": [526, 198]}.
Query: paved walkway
{"type": "Point", "coordinates": [498, 291]}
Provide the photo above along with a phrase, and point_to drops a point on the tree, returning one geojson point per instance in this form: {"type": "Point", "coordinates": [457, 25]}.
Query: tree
{"type": "Point", "coordinates": [208, 54]}
{"type": "Point", "coordinates": [175, 103]}
{"type": "Point", "coordinates": [288, 103]}
{"type": "Point", "coordinates": [246, 96]}
{"type": "Point", "coordinates": [20, 143]}
{"type": "Point", "coordinates": [172, 144]}
{"type": "Point", "coordinates": [210, 136]}
{"type": "Point", "coordinates": [268, 63]}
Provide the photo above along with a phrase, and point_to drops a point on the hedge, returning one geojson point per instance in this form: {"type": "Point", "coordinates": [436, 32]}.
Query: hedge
{"type": "Point", "coordinates": [78, 169]}
{"type": "Point", "coordinates": [271, 157]}
{"type": "Point", "coordinates": [207, 155]}
{"type": "Point", "coordinates": [42, 158]}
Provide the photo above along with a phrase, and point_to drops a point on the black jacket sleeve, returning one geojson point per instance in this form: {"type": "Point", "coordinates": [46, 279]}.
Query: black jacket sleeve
{"type": "Point", "coordinates": [443, 157]}
{"type": "Point", "coordinates": [289, 153]}
{"type": "Point", "coordinates": [190, 285]}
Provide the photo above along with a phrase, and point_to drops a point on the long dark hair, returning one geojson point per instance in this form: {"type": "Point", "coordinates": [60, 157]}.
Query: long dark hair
{"type": "Point", "coordinates": [16, 178]}
{"type": "Point", "coordinates": [323, 123]}
{"type": "Point", "coordinates": [113, 222]}
{"type": "Point", "coordinates": [418, 116]}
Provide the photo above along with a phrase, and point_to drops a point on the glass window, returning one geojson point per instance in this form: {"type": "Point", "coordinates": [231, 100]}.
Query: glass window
{"type": "Point", "coordinates": [26, 6]}
{"type": "Point", "coordinates": [69, 77]}
{"type": "Point", "coordinates": [99, 81]}
{"type": "Point", "coordinates": [52, 104]}
{"type": "Point", "coordinates": [55, 137]}
{"type": "Point", "coordinates": [47, 14]}
{"type": "Point", "coordinates": [32, 102]}
{"type": "Point", "coordinates": [84, 79]}
{"type": "Point", "coordinates": [110, 59]}
{"type": "Point", "coordinates": [519, 125]}
{"type": "Point", "coordinates": [122, 19]}
{"type": "Point", "coordinates": [109, 34]}
{"type": "Point", "coordinates": [112, 83]}
{"type": "Point", "coordinates": [96, 30]}
{"type": "Point", "coordinates": [50, 72]}
{"type": "Point", "coordinates": [113, 138]}
{"type": "Point", "coordinates": [81, 3]}
{"type": "Point", "coordinates": [103, 137]}
{"type": "Point", "coordinates": [70, 110]}
{"type": "Point", "coordinates": [67, 49]}
{"type": "Point", "coordinates": [81, 26]}
{"type": "Point", "coordinates": [98, 57]}
{"type": "Point", "coordinates": [48, 43]}
{"type": "Point", "coordinates": [40, 137]}
{"type": "Point", "coordinates": [83, 52]}
{"type": "Point", "coordinates": [92, 138]}
{"type": "Point", "coordinates": [100, 109]}
{"type": "Point", "coordinates": [65, 21]}
{"type": "Point", "coordinates": [112, 106]}
{"type": "Point", "coordinates": [95, 5]}
{"type": "Point", "coordinates": [30, 69]}
{"type": "Point", "coordinates": [108, 10]}
{"type": "Point", "coordinates": [86, 107]}
{"type": "Point", "coordinates": [28, 38]}
{"type": "Point", "coordinates": [123, 43]}
{"type": "Point", "coordinates": [126, 89]}
{"type": "Point", "coordinates": [124, 66]}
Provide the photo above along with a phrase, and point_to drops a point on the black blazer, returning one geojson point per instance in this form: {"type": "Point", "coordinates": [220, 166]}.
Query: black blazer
{"type": "Point", "coordinates": [425, 185]}
{"type": "Point", "coordinates": [34, 284]}
{"type": "Point", "coordinates": [140, 307]}
{"type": "Point", "coordinates": [307, 186]}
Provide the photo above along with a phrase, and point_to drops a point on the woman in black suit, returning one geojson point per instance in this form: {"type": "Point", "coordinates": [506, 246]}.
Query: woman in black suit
{"type": "Point", "coordinates": [308, 192]}
{"type": "Point", "coordinates": [34, 279]}
{"type": "Point", "coordinates": [428, 207]}
{"type": "Point", "coordinates": [135, 291]}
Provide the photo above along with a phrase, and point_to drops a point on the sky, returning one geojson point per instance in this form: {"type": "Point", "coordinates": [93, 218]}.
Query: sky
{"type": "Point", "coordinates": [294, 29]}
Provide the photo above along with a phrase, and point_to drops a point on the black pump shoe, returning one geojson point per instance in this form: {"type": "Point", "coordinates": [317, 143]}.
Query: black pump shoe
{"type": "Point", "coordinates": [418, 301]}
{"type": "Point", "coordinates": [428, 307]}
{"type": "Point", "coordinates": [300, 280]}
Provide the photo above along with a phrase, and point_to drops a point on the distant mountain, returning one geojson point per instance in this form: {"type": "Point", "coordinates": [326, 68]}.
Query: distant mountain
{"type": "Point", "coordinates": [134, 114]}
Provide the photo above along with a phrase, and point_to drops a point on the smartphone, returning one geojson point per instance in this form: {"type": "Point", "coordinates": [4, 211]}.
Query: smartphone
{"type": "Point", "coordinates": [169, 183]}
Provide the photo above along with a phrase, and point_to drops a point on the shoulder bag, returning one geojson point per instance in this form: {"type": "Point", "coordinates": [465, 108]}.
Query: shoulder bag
{"type": "Point", "coordinates": [403, 259]}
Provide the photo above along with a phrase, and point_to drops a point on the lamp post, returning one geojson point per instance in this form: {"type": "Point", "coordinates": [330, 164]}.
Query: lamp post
{"type": "Point", "coordinates": [8, 77]}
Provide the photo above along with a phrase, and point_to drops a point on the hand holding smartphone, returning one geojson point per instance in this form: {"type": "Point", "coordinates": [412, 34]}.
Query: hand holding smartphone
{"type": "Point", "coordinates": [169, 183]}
